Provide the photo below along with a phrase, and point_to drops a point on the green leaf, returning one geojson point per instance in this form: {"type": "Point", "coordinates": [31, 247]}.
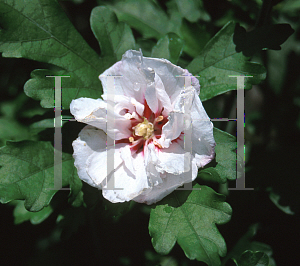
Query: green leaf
{"type": "Point", "coordinates": [210, 174]}
{"type": "Point", "coordinates": [41, 88]}
{"type": "Point", "coordinates": [192, 10]}
{"type": "Point", "coordinates": [266, 37]}
{"type": "Point", "coordinates": [27, 172]}
{"type": "Point", "coordinates": [41, 31]}
{"type": "Point", "coordinates": [246, 243]}
{"type": "Point", "coordinates": [190, 218]}
{"type": "Point", "coordinates": [218, 60]}
{"type": "Point", "coordinates": [194, 43]}
{"type": "Point", "coordinates": [275, 198]}
{"type": "Point", "coordinates": [252, 258]}
{"type": "Point", "coordinates": [22, 215]}
{"type": "Point", "coordinates": [145, 16]}
{"type": "Point", "coordinates": [77, 200]}
{"type": "Point", "coordinates": [12, 130]}
{"type": "Point", "coordinates": [243, 244]}
{"type": "Point", "coordinates": [168, 47]}
{"type": "Point", "coordinates": [262, 247]}
{"type": "Point", "coordinates": [225, 154]}
{"type": "Point", "coordinates": [41, 125]}
{"type": "Point", "coordinates": [224, 167]}
{"type": "Point", "coordinates": [114, 38]}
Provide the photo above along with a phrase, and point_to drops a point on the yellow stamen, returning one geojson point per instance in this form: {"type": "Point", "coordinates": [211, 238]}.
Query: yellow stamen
{"type": "Point", "coordinates": [144, 129]}
{"type": "Point", "coordinates": [131, 139]}
{"type": "Point", "coordinates": [159, 118]}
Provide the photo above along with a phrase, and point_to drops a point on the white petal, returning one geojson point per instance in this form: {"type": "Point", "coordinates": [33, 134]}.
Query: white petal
{"type": "Point", "coordinates": [139, 108]}
{"type": "Point", "coordinates": [157, 98]}
{"type": "Point", "coordinates": [132, 82]}
{"type": "Point", "coordinates": [202, 136]}
{"type": "Point", "coordinates": [97, 163]}
{"type": "Point", "coordinates": [169, 74]}
{"type": "Point", "coordinates": [172, 129]}
{"type": "Point", "coordinates": [151, 160]}
{"type": "Point", "coordinates": [130, 186]}
{"type": "Point", "coordinates": [90, 140]}
{"type": "Point", "coordinates": [179, 118]}
{"type": "Point", "coordinates": [89, 111]}
{"type": "Point", "coordinates": [170, 183]}
{"type": "Point", "coordinates": [93, 112]}
{"type": "Point", "coordinates": [173, 160]}
{"type": "Point", "coordinates": [127, 158]}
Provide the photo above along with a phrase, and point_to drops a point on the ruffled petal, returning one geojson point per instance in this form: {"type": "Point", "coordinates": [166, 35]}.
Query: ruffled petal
{"type": "Point", "coordinates": [172, 129]}
{"type": "Point", "coordinates": [169, 75]}
{"type": "Point", "coordinates": [90, 140]}
{"type": "Point", "coordinates": [173, 160]}
{"type": "Point", "coordinates": [202, 135]}
{"type": "Point", "coordinates": [128, 186]}
{"type": "Point", "coordinates": [96, 163]}
{"type": "Point", "coordinates": [179, 118]}
{"type": "Point", "coordinates": [132, 82]}
{"type": "Point", "coordinates": [169, 184]}
{"type": "Point", "coordinates": [127, 158]}
{"type": "Point", "coordinates": [93, 112]}
{"type": "Point", "coordinates": [151, 160]}
{"type": "Point", "coordinates": [89, 111]}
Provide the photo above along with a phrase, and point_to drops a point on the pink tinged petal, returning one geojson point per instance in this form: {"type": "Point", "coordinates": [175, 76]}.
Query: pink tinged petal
{"type": "Point", "coordinates": [139, 108]}
{"type": "Point", "coordinates": [132, 83]}
{"type": "Point", "coordinates": [133, 185]}
{"type": "Point", "coordinates": [195, 81]}
{"type": "Point", "coordinates": [90, 140]}
{"type": "Point", "coordinates": [170, 183]}
{"type": "Point", "coordinates": [89, 111]}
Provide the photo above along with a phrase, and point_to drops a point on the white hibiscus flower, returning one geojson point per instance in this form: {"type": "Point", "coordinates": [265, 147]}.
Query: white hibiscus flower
{"type": "Point", "coordinates": [153, 110]}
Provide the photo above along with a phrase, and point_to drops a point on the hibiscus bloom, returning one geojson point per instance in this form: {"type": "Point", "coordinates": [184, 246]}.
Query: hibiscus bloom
{"type": "Point", "coordinates": [153, 109]}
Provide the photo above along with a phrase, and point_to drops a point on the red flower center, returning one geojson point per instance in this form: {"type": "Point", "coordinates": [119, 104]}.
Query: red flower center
{"type": "Point", "coordinates": [145, 129]}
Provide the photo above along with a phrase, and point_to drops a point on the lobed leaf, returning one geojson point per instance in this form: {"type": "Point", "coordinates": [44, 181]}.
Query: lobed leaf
{"type": "Point", "coordinates": [40, 30]}
{"type": "Point", "coordinates": [192, 10]}
{"type": "Point", "coordinates": [218, 60]}
{"type": "Point", "coordinates": [22, 215]}
{"type": "Point", "coordinates": [190, 218]}
{"type": "Point", "coordinates": [145, 16]}
{"type": "Point", "coordinates": [27, 172]}
{"type": "Point", "coordinates": [224, 166]}
{"type": "Point", "coordinates": [114, 37]}
{"type": "Point", "coordinates": [168, 47]}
